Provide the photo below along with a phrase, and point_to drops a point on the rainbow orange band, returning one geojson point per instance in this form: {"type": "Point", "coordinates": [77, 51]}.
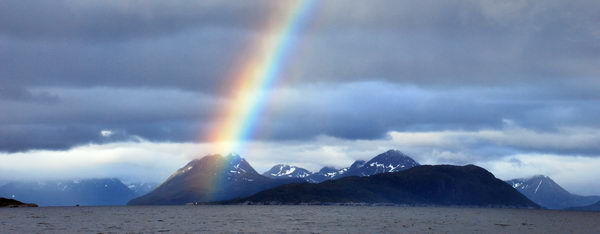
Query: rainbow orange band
{"type": "Point", "coordinates": [257, 78]}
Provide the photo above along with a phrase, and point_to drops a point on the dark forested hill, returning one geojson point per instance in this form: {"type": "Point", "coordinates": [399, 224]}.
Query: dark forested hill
{"type": "Point", "coordinates": [422, 185]}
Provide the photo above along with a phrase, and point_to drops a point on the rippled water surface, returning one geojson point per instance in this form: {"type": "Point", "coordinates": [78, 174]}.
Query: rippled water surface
{"type": "Point", "coordinates": [282, 219]}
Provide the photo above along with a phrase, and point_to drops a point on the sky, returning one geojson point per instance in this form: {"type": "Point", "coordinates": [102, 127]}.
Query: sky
{"type": "Point", "coordinates": [130, 89]}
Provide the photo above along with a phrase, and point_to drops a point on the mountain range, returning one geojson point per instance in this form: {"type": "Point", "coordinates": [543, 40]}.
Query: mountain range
{"type": "Point", "coordinates": [390, 177]}
{"type": "Point", "coordinates": [211, 178]}
{"type": "Point", "coordinates": [390, 161]}
{"type": "Point", "coordinates": [215, 178]}
{"type": "Point", "coordinates": [547, 193]}
{"type": "Point", "coordinates": [86, 192]}
{"type": "Point", "coordinates": [421, 185]}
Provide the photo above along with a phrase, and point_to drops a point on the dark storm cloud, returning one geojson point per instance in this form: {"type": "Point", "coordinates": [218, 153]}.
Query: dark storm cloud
{"type": "Point", "coordinates": [157, 69]}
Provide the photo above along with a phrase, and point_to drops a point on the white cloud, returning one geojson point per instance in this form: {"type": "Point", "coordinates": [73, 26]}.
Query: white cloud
{"type": "Point", "coordinates": [575, 173]}
{"type": "Point", "coordinates": [106, 133]}
{"type": "Point", "coordinates": [129, 160]}
{"type": "Point", "coordinates": [153, 161]}
{"type": "Point", "coordinates": [513, 137]}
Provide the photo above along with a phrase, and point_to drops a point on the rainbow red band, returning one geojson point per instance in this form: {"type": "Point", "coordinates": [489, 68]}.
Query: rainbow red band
{"type": "Point", "coordinates": [257, 78]}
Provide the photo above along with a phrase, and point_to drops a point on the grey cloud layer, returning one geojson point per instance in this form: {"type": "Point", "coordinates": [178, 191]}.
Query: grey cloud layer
{"type": "Point", "coordinates": [350, 111]}
{"type": "Point", "coordinates": [194, 45]}
{"type": "Point", "coordinates": [81, 115]}
{"type": "Point", "coordinates": [114, 20]}
{"type": "Point", "coordinates": [157, 70]}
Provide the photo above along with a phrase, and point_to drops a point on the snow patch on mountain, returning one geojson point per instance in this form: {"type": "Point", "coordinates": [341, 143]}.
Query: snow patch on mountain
{"type": "Point", "coordinates": [287, 171]}
{"type": "Point", "coordinates": [390, 161]}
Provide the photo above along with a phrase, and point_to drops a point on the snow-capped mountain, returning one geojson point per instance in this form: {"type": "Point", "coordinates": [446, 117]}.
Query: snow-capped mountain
{"type": "Point", "coordinates": [544, 191]}
{"type": "Point", "coordinates": [390, 161]}
{"type": "Point", "coordinates": [86, 192]}
{"type": "Point", "coordinates": [211, 178]}
{"type": "Point", "coordinates": [216, 178]}
{"type": "Point", "coordinates": [329, 172]}
{"type": "Point", "coordinates": [286, 171]}
{"type": "Point", "coordinates": [326, 173]}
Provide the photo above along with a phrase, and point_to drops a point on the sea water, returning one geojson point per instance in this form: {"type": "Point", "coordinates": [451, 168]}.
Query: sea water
{"type": "Point", "coordinates": [293, 219]}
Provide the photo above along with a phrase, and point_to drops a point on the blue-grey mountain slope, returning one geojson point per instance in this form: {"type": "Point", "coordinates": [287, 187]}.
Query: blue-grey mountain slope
{"type": "Point", "coordinates": [86, 192]}
{"type": "Point", "coordinates": [547, 193]}
{"type": "Point", "coordinates": [211, 178]}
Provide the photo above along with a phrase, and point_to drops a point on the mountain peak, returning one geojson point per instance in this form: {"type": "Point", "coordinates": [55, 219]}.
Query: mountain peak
{"type": "Point", "coordinates": [546, 192]}
{"type": "Point", "coordinates": [538, 180]}
{"type": "Point", "coordinates": [394, 156]}
{"type": "Point", "coordinates": [286, 171]}
{"type": "Point", "coordinates": [538, 177]}
{"type": "Point", "coordinates": [327, 169]}
{"type": "Point", "coordinates": [390, 161]}
{"type": "Point", "coordinates": [208, 157]}
{"type": "Point", "coordinates": [229, 164]}
{"type": "Point", "coordinates": [358, 164]}
{"type": "Point", "coordinates": [392, 153]}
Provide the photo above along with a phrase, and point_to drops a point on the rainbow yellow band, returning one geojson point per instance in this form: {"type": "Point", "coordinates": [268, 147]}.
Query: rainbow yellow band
{"type": "Point", "coordinates": [258, 76]}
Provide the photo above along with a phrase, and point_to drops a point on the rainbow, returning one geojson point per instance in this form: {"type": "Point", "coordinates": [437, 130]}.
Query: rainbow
{"type": "Point", "coordinates": [257, 77]}
{"type": "Point", "coordinates": [254, 78]}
